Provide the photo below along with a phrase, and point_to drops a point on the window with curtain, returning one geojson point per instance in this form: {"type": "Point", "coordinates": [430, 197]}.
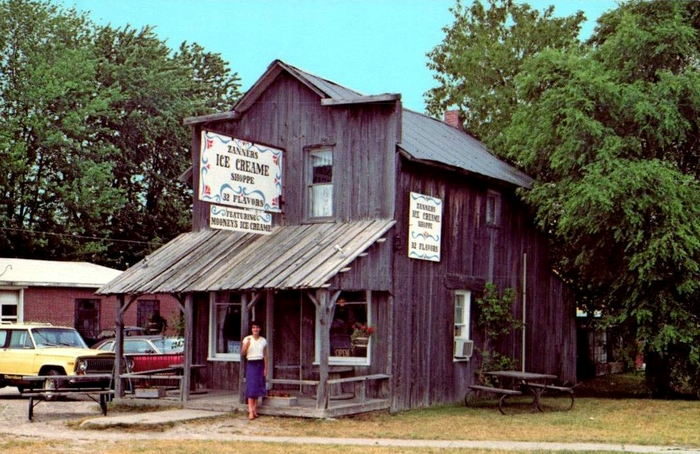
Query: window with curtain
{"type": "Point", "coordinates": [319, 183]}
{"type": "Point", "coordinates": [225, 326]}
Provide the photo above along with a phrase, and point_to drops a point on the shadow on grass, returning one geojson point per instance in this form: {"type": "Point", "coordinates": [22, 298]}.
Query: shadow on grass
{"type": "Point", "coordinates": [616, 386]}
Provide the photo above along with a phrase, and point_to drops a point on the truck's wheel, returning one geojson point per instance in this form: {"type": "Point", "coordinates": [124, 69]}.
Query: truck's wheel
{"type": "Point", "coordinates": [51, 384]}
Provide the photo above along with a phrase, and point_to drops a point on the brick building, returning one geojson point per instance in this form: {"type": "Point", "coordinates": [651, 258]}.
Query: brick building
{"type": "Point", "coordinates": [63, 293]}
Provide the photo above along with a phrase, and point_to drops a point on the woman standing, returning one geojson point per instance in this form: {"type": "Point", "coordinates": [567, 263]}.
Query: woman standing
{"type": "Point", "coordinates": [254, 349]}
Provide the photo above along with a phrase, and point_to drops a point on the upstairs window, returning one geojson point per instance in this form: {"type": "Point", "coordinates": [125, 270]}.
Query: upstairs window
{"type": "Point", "coordinates": [319, 197]}
{"type": "Point", "coordinates": [493, 208]}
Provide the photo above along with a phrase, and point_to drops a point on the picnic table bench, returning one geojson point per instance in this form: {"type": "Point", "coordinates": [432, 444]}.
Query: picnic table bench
{"type": "Point", "coordinates": [505, 393]}
{"type": "Point", "coordinates": [89, 385]}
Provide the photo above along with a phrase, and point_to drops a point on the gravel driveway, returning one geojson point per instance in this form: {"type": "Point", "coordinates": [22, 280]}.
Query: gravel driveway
{"type": "Point", "coordinates": [52, 420]}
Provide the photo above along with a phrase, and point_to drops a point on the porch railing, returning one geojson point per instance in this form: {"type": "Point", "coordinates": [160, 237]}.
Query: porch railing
{"type": "Point", "coordinates": [359, 382]}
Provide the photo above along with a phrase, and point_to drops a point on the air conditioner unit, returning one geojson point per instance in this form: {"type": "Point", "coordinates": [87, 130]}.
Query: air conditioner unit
{"type": "Point", "coordinates": [463, 348]}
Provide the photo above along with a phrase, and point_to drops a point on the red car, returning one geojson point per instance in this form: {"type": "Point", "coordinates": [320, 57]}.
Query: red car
{"type": "Point", "coordinates": [148, 352]}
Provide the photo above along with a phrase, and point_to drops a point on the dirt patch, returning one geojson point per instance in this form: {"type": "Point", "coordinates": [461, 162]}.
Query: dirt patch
{"type": "Point", "coordinates": [60, 419]}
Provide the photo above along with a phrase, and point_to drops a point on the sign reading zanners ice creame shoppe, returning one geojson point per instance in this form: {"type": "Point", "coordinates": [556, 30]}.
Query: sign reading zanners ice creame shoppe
{"type": "Point", "coordinates": [424, 227]}
{"type": "Point", "coordinates": [251, 221]}
{"type": "Point", "coordinates": [238, 173]}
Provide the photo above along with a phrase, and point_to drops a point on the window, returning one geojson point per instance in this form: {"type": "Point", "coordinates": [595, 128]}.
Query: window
{"type": "Point", "coordinates": [20, 340]}
{"type": "Point", "coordinates": [225, 326]}
{"type": "Point", "coordinates": [319, 168]}
{"type": "Point", "coordinates": [144, 309]}
{"type": "Point", "coordinates": [138, 346]}
{"type": "Point", "coordinates": [107, 346]}
{"type": "Point", "coordinates": [87, 318]}
{"type": "Point", "coordinates": [493, 208]}
{"type": "Point", "coordinates": [58, 337]}
{"type": "Point", "coordinates": [462, 342]}
{"type": "Point", "coordinates": [350, 330]}
{"type": "Point", "coordinates": [10, 306]}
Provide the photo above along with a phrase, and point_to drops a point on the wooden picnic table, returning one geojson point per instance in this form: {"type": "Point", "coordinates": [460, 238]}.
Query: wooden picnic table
{"type": "Point", "coordinates": [521, 382]}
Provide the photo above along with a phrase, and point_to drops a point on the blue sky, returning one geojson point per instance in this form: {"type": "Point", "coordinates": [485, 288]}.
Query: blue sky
{"type": "Point", "coordinates": [372, 46]}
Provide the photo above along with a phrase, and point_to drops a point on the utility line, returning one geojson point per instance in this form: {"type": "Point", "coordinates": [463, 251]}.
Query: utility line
{"type": "Point", "coordinates": [72, 235]}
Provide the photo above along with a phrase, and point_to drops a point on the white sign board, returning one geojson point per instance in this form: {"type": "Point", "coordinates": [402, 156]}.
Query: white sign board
{"type": "Point", "coordinates": [249, 221]}
{"type": "Point", "coordinates": [238, 173]}
{"type": "Point", "coordinates": [424, 227]}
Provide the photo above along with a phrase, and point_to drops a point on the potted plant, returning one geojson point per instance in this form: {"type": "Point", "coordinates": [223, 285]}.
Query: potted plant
{"type": "Point", "coordinates": [360, 334]}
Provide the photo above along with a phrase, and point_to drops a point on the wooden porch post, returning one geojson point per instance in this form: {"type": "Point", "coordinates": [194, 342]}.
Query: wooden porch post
{"type": "Point", "coordinates": [269, 332]}
{"type": "Point", "coordinates": [189, 342]}
{"type": "Point", "coordinates": [244, 332]}
{"type": "Point", "coordinates": [324, 343]}
{"type": "Point", "coordinates": [119, 342]}
{"type": "Point", "coordinates": [119, 348]}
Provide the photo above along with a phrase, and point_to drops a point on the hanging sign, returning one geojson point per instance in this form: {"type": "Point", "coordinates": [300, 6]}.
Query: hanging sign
{"type": "Point", "coordinates": [249, 221]}
{"type": "Point", "coordinates": [238, 173]}
{"type": "Point", "coordinates": [424, 227]}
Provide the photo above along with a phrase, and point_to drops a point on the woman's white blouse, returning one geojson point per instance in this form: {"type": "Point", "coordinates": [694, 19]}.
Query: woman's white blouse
{"type": "Point", "coordinates": [256, 348]}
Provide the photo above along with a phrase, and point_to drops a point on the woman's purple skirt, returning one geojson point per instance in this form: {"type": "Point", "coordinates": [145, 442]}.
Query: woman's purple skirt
{"type": "Point", "coordinates": [255, 378]}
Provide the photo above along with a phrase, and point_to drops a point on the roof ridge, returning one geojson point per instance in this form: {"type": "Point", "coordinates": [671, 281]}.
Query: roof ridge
{"type": "Point", "coordinates": [309, 73]}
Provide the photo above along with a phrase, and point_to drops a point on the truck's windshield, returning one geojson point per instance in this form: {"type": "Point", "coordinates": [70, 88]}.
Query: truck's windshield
{"type": "Point", "coordinates": [58, 337]}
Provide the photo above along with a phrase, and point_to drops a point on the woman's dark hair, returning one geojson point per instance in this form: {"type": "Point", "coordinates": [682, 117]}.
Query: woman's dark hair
{"type": "Point", "coordinates": [252, 324]}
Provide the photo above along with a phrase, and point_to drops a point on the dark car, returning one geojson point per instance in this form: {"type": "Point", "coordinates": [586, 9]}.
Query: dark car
{"type": "Point", "coordinates": [148, 352]}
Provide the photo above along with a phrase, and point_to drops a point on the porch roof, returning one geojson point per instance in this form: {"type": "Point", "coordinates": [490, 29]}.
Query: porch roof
{"type": "Point", "coordinates": [291, 257]}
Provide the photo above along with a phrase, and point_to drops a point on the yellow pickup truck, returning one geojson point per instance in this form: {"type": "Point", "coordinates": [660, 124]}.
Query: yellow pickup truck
{"type": "Point", "coordinates": [37, 349]}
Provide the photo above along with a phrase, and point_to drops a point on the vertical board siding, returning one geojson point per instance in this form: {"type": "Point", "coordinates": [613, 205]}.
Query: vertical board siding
{"type": "Point", "coordinates": [288, 115]}
{"type": "Point", "coordinates": [424, 372]}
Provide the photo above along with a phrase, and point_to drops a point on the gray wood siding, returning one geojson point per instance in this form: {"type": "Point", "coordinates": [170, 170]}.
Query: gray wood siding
{"type": "Point", "coordinates": [423, 370]}
{"type": "Point", "coordinates": [288, 115]}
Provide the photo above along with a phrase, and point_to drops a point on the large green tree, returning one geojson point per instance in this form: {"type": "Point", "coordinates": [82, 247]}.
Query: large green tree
{"type": "Point", "coordinates": [91, 134]}
{"type": "Point", "coordinates": [157, 89]}
{"type": "Point", "coordinates": [483, 50]}
{"type": "Point", "coordinates": [610, 131]}
{"type": "Point", "coordinates": [54, 177]}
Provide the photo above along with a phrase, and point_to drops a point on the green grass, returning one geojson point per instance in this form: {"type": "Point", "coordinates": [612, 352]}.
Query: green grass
{"type": "Point", "coordinates": [637, 421]}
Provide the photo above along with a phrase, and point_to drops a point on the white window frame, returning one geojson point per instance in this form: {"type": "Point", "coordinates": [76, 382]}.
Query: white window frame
{"type": "Point", "coordinates": [308, 198]}
{"type": "Point", "coordinates": [219, 299]}
{"type": "Point", "coordinates": [493, 211]}
{"type": "Point", "coordinates": [465, 323]}
{"type": "Point", "coordinates": [346, 360]}
{"type": "Point", "coordinates": [20, 305]}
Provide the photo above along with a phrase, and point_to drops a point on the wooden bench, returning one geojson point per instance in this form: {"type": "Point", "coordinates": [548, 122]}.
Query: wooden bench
{"type": "Point", "coordinates": [504, 392]}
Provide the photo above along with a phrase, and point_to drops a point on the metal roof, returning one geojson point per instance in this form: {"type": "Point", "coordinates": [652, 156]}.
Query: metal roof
{"type": "Point", "coordinates": [296, 256]}
{"type": "Point", "coordinates": [428, 139]}
{"type": "Point", "coordinates": [50, 273]}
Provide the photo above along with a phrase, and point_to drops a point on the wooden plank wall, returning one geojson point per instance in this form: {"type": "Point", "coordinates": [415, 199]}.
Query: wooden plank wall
{"type": "Point", "coordinates": [288, 115]}
{"type": "Point", "coordinates": [423, 369]}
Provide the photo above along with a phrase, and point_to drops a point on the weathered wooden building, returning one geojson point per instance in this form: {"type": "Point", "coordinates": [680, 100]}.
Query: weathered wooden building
{"type": "Point", "coordinates": [385, 218]}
